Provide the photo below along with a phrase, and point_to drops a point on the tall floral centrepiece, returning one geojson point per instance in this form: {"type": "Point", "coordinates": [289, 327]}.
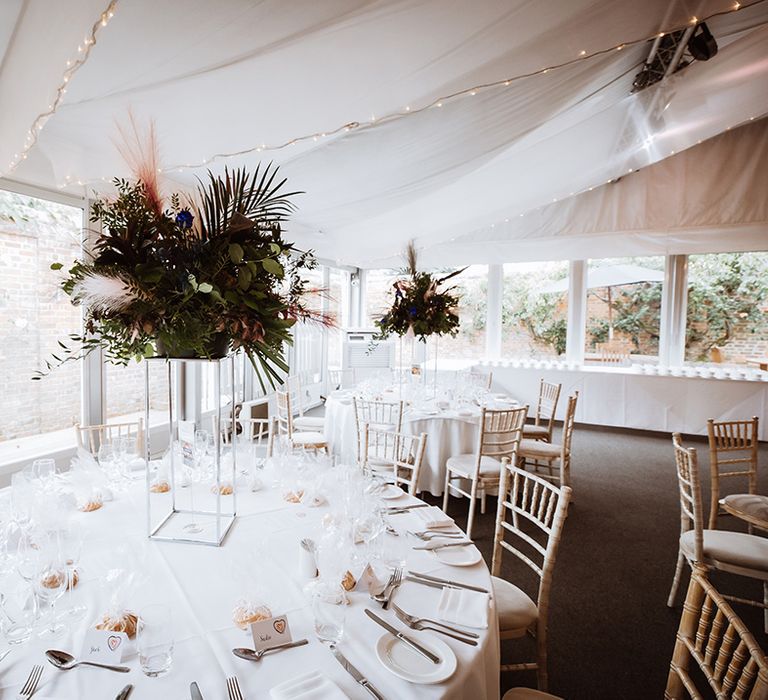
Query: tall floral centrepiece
{"type": "Point", "coordinates": [195, 276]}
{"type": "Point", "coordinates": [420, 307]}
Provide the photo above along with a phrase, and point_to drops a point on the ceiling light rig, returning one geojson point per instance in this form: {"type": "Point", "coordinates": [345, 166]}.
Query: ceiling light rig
{"type": "Point", "coordinates": [72, 66]}
{"type": "Point", "coordinates": [406, 111]}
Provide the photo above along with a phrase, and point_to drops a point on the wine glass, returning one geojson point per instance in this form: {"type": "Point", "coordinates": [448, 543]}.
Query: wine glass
{"type": "Point", "coordinates": [70, 549]}
{"type": "Point", "coordinates": [50, 584]}
{"type": "Point", "coordinates": [108, 459]}
{"type": "Point", "coordinates": [154, 640]}
{"type": "Point", "coordinates": [18, 604]}
{"type": "Point", "coordinates": [195, 474]}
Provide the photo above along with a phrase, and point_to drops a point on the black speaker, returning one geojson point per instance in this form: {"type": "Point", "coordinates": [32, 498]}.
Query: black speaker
{"type": "Point", "coordinates": [702, 44]}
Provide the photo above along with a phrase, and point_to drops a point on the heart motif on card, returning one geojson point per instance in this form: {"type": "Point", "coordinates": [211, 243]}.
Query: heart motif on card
{"type": "Point", "coordinates": [279, 626]}
{"type": "Point", "coordinates": [113, 642]}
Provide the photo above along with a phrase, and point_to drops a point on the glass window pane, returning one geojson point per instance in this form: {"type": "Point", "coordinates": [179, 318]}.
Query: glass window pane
{"type": "Point", "coordinates": [338, 303]}
{"type": "Point", "coordinates": [35, 314]}
{"type": "Point", "coordinates": [472, 287]}
{"type": "Point", "coordinates": [534, 309]}
{"type": "Point", "coordinates": [727, 308]}
{"type": "Point", "coordinates": [378, 294]}
{"type": "Point", "coordinates": [124, 392]}
{"type": "Point", "coordinates": [624, 309]}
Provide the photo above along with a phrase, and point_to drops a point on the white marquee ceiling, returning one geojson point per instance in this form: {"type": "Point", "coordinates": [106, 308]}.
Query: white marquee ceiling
{"type": "Point", "coordinates": [228, 76]}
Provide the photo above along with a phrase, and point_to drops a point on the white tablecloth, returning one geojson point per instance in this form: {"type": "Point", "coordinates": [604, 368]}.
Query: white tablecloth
{"type": "Point", "coordinates": [447, 434]}
{"type": "Point", "coordinates": [197, 583]}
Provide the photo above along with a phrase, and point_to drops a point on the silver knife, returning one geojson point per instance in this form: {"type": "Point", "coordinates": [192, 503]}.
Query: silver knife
{"type": "Point", "coordinates": [124, 693]}
{"type": "Point", "coordinates": [424, 582]}
{"type": "Point", "coordinates": [445, 582]}
{"type": "Point", "coordinates": [194, 691]}
{"type": "Point", "coordinates": [426, 653]}
{"type": "Point", "coordinates": [359, 677]}
{"type": "Point", "coordinates": [396, 510]}
{"type": "Point", "coordinates": [432, 548]}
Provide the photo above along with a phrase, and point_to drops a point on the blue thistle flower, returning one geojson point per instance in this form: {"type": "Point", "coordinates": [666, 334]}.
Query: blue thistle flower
{"type": "Point", "coordinates": [184, 219]}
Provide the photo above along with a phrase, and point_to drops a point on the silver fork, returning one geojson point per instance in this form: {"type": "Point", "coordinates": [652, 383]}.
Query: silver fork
{"type": "Point", "coordinates": [398, 573]}
{"type": "Point", "coordinates": [427, 535]}
{"type": "Point", "coordinates": [233, 688]}
{"type": "Point", "coordinates": [423, 623]}
{"type": "Point", "coordinates": [28, 689]}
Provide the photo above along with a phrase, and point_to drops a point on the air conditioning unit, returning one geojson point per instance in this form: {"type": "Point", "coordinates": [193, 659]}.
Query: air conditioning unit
{"type": "Point", "coordinates": [360, 353]}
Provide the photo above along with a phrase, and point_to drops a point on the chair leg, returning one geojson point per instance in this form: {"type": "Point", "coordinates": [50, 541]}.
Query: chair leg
{"type": "Point", "coordinates": [765, 609]}
{"type": "Point", "coordinates": [482, 502]}
{"type": "Point", "coordinates": [472, 503]}
{"type": "Point", "coordinates": [542, 678]}
{"type": "Point", "coordinates": [445, 490]}
{"type": "Point", "coordinates": [676, 580]}
{"type": "Point", "coordinates": [714, 507]}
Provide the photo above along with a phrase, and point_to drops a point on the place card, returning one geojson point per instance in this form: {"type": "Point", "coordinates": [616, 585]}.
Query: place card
{"type": "Point", "coordinates": [104, 646]}
{"type": "Point", "coordinates": [368, 581]}
{"type": "Point", "coordinates": [270, 633]}
{"type": "Point", "coordinates": [187, 441]}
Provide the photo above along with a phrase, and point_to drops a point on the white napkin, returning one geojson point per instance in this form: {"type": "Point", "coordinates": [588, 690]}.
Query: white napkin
{"type": "Point", "coordinates": [432, 517]}
{"type": "Point", "coordinates": [463, 607]}
{"type": "Point", "coordinates": [311, 686]}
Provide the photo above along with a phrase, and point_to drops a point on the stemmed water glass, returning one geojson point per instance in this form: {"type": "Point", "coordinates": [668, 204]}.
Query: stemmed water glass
{"type": "Point", "coordinates": [18, 604]}
{"type": "Point", "coordinates": [107, 456]}
{"type": "Point", "coordinates": [195, 473]}
{"type": "Point", "coordinates": [70, 542]}
{"type": "Point", "coordinates": [50, 582]}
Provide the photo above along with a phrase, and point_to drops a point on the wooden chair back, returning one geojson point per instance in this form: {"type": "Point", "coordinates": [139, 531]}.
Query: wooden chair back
{"type": "Point", "coordinates": [689, 484]}
{"type": "Point", "coordinates": [500, 433]}
{"type": "Point", "coordinates": [568, 425]}
{"type": "Point", "coordinates": [341, 378]}
{"type": "Point", "coordinates": [386, 451]}
{"type": "Point", "coordinates": [259, 433]}
{"type": "Point", "coordinates": [549, 395]}
{"type": "Point", "coordinates": [294, 384]}
{"type": "Point", "coordinates": [484, 380]}
{"type": "Point", "coordinates": [284, 416]}
{"type": "Point", "coordinates": [612, 352]}
{"type": "Point", "coordinates": [91, 437]}
{"type": "Point", "coordinates": [732, 454]}
{"type": "Point", "coordinates": [715, 638]}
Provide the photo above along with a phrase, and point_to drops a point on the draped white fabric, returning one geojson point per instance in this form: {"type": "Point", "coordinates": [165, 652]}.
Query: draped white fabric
{"type": "Point", "coordinates": [228, 76]}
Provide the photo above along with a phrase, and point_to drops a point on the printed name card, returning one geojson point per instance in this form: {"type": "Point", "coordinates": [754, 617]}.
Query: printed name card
{"type": "Point", "coordinates": [187, 440]}
{"type": "Point", "coordinates": [104, 646]}
{"type": "Point", "coordinates": [270, 633]}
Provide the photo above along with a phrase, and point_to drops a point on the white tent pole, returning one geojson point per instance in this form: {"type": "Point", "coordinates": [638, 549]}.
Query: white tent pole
{"type": "Point", "coordinates": [577, 311]}
{"type": "Point", "coordinates": [493, 312]}
{"type": "Point", "coordinates": [674, 306]}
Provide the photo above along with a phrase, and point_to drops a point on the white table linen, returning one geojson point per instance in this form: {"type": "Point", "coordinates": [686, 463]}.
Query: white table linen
{"type": "Point", "coordinates": [198, 585]}
{"type": "Point", "coordinates": [448, 434]}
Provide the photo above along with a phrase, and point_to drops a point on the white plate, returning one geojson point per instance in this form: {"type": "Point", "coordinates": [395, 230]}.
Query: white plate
{"type": "Point", "coordinates": [459, 556]}
{"type": "Point", "coordinates": [406, 663]}
{"type": "Point", "coordinates": [390, 492]}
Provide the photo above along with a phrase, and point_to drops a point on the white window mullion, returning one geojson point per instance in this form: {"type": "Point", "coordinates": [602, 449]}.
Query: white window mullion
{"type": "Point", "coordinates": [674, 307]}
{"type": "Point", "coordinates": [577, 311]}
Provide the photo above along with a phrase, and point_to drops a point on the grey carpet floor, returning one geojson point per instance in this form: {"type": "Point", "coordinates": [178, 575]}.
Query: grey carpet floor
{"type": "Point", "coordinates": [611, 633]}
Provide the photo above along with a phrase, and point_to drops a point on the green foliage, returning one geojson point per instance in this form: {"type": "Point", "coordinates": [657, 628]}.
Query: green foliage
{"type": "Point", "coordinates": [420, 306]}
{"type": "Point", "coordinates": [218, 269]}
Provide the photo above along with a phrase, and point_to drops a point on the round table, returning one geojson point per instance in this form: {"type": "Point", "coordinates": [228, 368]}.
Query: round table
{"type": "Point", "coordinates": [201, 584]}
{"type": "Point", "coordinates": [448, 434]}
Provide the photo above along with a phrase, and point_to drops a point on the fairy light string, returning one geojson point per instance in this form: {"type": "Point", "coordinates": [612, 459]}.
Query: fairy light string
{"type": "Point", "coordinates": [73, 65]}
{"type": "Point", "coordinates": [85, 48]}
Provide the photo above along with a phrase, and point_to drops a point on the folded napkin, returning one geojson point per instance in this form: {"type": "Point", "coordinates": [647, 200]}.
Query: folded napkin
{"type": "Point", "coordinates": [432, 517]}
{"type": "Point", "coordinates": [463, 607]}
{"type": "Point", "coordinates": [310, 686]}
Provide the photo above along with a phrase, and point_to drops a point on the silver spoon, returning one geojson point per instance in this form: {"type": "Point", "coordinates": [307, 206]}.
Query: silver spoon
{"type": "Point", "coordinates": [65, 661]}
{"type": "Point", "coordinates": [251, 655]}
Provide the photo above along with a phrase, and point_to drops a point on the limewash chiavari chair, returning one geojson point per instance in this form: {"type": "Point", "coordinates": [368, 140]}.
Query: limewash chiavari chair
{"type": "Point", "coordinates": [500, 433]}
{"type": "Point", "coordinates": [309, 440]}
{"type": "Point", "coordinates": [717, 640]}
{"type": "Point", "coordinates": [341, 378]}
{"type": "Point", "coordinates": [531, 513]}
{"type": "Point", "coordinates": [295, 387]}
{"type": "Point", "coordinates": [259, 432]}
{"type": "Point", "coordinates": [733, 552]}
{"type": "Point", "coordinates": [91, 437]}
{"type": "Point", "coordinates": [395, 457]}
{"type": "Point", "coordinates": [548, 455]}
{"type": "Point", "coordinates": [483, 380]}
{"type": "Point", "coordinates": [549, 395]}
{"type": "Point", "coordinates": [381, 415]}
{"type": "Point", "coordinates": [732, 444]}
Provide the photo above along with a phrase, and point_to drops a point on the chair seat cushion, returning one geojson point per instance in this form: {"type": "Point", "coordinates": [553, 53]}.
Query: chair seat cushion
{"type": "Point", "coordinates": [528, 694]}
{"type": "Point", "coordinates": [537, 448]}
{"type": "Point", "coordinates": [310, 423]}
{"type": "Point", "coordinates": [465, 465]}
{"type": "Point", "coordinates": [308, 438]}
{"type": "Point", "coordinates": [515, 610]}
{"type": "Point", "coordinates": [734, 548]}
{"type": "Point", "coordinates": [535, 431]}
{"type": "Point", "coordinates": [751, 505]}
